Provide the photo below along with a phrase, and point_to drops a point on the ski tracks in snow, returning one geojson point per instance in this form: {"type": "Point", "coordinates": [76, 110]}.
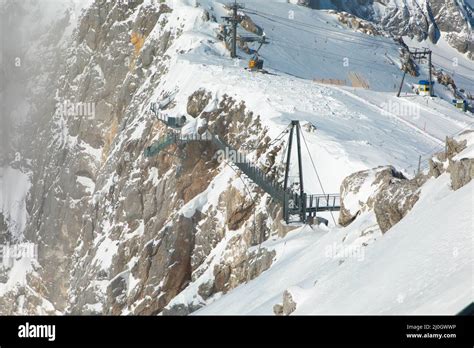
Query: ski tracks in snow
{"type": "Point", "coordinates": [395, 116]}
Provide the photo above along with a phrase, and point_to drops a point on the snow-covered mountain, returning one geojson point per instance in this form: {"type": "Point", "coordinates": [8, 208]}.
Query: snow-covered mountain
{"type": "Point", "coordinates": [180, 233]}
{"type": "Point", "coordinates": [429, 20]}
{"type": "Point", "coordinates": [423, 265]}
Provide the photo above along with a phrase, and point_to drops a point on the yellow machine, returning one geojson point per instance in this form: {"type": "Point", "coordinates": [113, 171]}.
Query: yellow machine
{"type": "Point", "coordinates": [256, 63]}
{"type": "Point", "coordinates": [252, 63]}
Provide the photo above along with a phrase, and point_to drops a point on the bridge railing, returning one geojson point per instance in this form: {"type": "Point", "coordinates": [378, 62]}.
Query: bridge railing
{"type": "Point", "coordinates": [268, 184]}
{"type": "Point", "coordinates": [323, 201]}
{"type": "Point", "coordinates": [292, 202]}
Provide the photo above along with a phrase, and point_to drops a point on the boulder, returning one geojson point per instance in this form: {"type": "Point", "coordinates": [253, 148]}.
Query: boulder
{"type": "Point", "coordinates": [248, 24]}
{"type": "Point", "coordinates": [132, 205]}
{"type": "Point", "coordinates": [358, 191]}
{"type": "Point", "coordinates": [462, 172]}
{"type": "Point", "coordinates": [197, 102]}
{"type": "Point", "coordinates": [289, 305]}
{"type": "Point", "coordinates": [394, 201]}
{"type": "Point", "coordinates": [278, 309]}
{"type": "Point", "coordinates": [383, 190]}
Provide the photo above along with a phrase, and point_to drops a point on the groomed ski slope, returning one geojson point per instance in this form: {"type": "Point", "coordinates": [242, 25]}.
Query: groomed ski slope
{"type": "Point", "coordinates": [409, 270]}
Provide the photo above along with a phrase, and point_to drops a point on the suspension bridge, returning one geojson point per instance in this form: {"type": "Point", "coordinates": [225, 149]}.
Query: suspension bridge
{"type": "Point", "coordinates": [304, 206]}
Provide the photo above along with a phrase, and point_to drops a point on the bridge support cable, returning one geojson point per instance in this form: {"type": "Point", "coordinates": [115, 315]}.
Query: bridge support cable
{"type": "Point", "coordinates": [319, 179]}
{"type": "Point", "coordinates": [294, 203]}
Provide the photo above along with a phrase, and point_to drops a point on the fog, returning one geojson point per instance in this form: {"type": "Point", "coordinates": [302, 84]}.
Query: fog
{"type": "Point", "coordinates": [23, 22]}
{"type": "Point", "coordinates": [11, 94]}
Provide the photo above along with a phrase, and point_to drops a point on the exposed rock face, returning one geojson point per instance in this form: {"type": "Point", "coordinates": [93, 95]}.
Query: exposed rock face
{"type": "Point", "coordinates": [394, 201]}
{"type": "Point", "coordinates": [122, 234]}
{"type": "Point", "coordinates": [112, 236]}
{"type": "Point", "coordinates": [197, 102]}
{"type": "Point", "coordinates": [358, 24]}
{"type": "Point", "coordinates": [391, 196]}
{"type": "Point", "coordinates": [4, 235]}
{"type": "Point", "coordinates": [384, 190]}
{"type": "Point", "coordinates": [94, 79]}
{"type": "Point", "coordinates": [288, 306]}
{"type": "Point", "coordinates": [460, 168]}
{"type": "Point", "coordinates": [452, 17]}
{"type": "Point", "coordinates": [40, 48]}
{"type": "Point", "coordinates": [359, 190]}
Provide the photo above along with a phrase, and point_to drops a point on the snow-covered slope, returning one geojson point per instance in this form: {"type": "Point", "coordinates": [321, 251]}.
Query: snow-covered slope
{"type": "Point", "coordinates": [343, 115]}
{"type": "Point", "coordinates": [122, 234]}
{"type": "Point", "coordinates": [447, 59]}
{"type": "Point", "coordinates": [421, 266]}
{"type": "Point", "coordinates": [342, 144]}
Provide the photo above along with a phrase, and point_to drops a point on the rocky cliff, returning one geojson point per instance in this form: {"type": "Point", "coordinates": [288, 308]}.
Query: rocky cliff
{"type": "Point", "coordinates": [391, 196]}
{"type": "Point", "coordinates": [119, 233]}
{"type": "Point", "coordinates": [112, 236]}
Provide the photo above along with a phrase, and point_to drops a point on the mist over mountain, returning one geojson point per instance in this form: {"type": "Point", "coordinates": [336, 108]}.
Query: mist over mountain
{"type": "Point", "coordinates": [128, 216]}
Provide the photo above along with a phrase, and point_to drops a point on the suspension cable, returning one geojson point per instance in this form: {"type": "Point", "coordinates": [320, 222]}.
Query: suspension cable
{"type": "Point", "coordinates": [316, 171]}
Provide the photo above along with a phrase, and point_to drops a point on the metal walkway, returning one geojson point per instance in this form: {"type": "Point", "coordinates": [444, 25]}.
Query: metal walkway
{"type": "Point", "coordinates": [174, 138]}
{"type": "Point", "coordinates": [305, 206]}
{"type": "Point", "coordinates": [301, 204]}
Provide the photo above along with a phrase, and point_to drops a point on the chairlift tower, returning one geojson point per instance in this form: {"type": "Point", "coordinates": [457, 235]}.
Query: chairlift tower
{"type": "Point", "coordinates": [234, 21]}
{"type": "Point", "coordinates": [420, 56]}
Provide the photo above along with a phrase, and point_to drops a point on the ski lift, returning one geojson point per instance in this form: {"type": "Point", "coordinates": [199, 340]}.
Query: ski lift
{"type": "Point", "coordinates": [424, 87]}
{"type": "Point", "coordinates": [460, 104]}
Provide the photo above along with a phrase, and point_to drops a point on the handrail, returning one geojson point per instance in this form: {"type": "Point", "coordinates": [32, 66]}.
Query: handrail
{"type": "Point", "coordinates": [309, 203]}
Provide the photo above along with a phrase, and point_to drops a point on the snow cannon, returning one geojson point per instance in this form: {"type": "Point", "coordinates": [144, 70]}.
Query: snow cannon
{"type": "Point", "coordinates": [424, 87]}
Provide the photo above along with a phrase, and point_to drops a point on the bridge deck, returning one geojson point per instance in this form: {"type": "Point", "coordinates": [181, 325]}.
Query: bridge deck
{"type": "Point", "coordinates": [293, 203]}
